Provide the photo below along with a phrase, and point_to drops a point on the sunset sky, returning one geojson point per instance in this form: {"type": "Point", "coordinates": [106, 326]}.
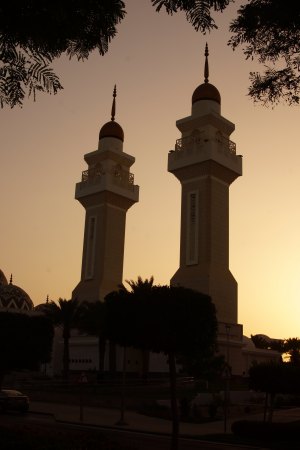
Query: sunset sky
{"type": "Point", "coordinates": [156, 61]}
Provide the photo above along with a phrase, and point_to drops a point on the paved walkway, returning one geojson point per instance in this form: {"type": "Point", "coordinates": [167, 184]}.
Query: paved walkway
{"type": "Point", "coordinates": [109, 417]}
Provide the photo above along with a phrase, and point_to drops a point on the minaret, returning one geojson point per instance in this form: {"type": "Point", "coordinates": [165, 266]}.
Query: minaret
{"type": "Point", "coordinates": [205, 163]}
{"type": "Point", "coordinates": [106, 191]}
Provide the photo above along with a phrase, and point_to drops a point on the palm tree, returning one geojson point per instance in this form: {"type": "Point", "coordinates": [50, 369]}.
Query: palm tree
{"type": "Point", "coordinates": [63, 314]}
{"type": "Point", "coordinates": [176, 321]}
{"type": "Point", "coordinates": [142, 288]}
{"type": "Point", "coordinates": [91, 320]}
{"type": "Point", "coordinates": [292, 348]}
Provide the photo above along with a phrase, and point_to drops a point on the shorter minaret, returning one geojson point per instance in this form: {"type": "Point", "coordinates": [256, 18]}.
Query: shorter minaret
{"type": "Point", "coordinates": [106, 191]}
{"type": "Point", "coordinates": [205, 162]}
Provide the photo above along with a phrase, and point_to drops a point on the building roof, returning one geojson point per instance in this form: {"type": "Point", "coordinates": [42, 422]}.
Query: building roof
{"type": "Point", "coordinates": [13, 297]}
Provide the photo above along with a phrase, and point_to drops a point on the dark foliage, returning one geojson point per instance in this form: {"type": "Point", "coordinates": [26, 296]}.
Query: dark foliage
{"type": "Point", "coordinates": [177, 321]}
{"type": "Point", "coordinates": [292, 348]}
{"type": "Point", "coordinates": [261, 341]}
{"type": "Point", "coordinates": [63, 314]}
{"type": "Point", "coordinates": [33, 33]}
{"type": "Point", "coordinates": [91, 320]}
{"type": "Point", "coordinates": [270, 31]}
{"type": "Point", "coordinates": [275, 378]}
{"type": "Point", "coordinates": [287, 432]}
{"type": "Point", "coordinates": [198, 12]}
{"type": "Point", "coordinates": [25, 341]}
{"type": "Point", "coordinates": [170, 319]}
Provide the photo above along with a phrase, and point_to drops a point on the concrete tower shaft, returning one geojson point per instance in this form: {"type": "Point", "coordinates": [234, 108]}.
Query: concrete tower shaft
{"type": "Point", "coordinates": [106, 191]}
{"type": "Point", "coordinates": [205, 162]}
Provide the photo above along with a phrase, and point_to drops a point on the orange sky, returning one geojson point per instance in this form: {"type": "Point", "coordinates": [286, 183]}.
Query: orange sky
{"type": "Point", "coordinates": [157, 62]}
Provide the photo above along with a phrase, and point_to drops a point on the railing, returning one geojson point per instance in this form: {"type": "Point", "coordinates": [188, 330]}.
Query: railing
{"type": "Point", "coordinates": [195, 142]}
{"type": "Point", "coordinates": [91, 175]}
{"type": "Point", "coordinates": [122, 178]}
{"type": "Point", "coordinates": [116, 175]}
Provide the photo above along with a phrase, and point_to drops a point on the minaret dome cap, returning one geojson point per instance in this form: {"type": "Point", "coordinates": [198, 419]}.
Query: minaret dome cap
{"type": "Point", "coordinates": [206, 90]}
{"type": "Point", "coordinates": [112, 129]}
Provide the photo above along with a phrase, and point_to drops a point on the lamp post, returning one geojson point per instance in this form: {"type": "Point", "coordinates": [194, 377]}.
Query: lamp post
{"type": "Point", "coordinates": [227, 379]}
{"type": "Point", "coordinates": [121, 421]}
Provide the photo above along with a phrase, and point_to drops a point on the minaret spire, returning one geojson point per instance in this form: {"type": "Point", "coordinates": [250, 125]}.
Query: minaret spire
{"type": "Point", "coordinates": [206, 70]}
{"type": "Point", "coordinates": [113, 108]}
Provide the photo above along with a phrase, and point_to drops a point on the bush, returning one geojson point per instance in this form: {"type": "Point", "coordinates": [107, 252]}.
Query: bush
{"type": "Point", "coordinates": [155, 410]}
{"type": "Point", "coordinates": [266, 431]}
{"type": "Point", "coordinates": [185, 408]}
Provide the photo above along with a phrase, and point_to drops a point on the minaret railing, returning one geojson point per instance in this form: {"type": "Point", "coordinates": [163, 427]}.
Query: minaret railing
{"type": "Point", "coordinates": [192, 142]}
{"type": "Point", "coordinates": [117, 176]}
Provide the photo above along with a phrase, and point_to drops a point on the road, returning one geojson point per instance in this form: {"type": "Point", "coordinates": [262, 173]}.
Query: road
{"type": "Point", "coordinates": [133, 440]}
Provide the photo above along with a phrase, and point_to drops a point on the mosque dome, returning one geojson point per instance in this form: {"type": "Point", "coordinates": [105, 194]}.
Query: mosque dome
{"type": "Point", "coordinates": [3, 280]}
{"type": "Point", "coordinates": [112, 129]}
{"type": "Point", "coordinates": [13, 297]}
{"type": "Point", "coordinates": [206, 90]}
{"type": "Point", "coordinates": [41, 307]}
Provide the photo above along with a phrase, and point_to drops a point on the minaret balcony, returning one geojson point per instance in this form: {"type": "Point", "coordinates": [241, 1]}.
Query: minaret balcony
{"type": "Point", "coordinates": [195, 143]}
{"type": "Point", "coordinates": [116, 176]}
{"type": "Point", "coordinates": [116, 180]}
{"type": "Point", "coordinates": [191, 150]}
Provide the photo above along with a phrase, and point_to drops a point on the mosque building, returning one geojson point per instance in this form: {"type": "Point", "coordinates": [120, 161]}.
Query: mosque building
{"type": "Point", "coordinates": [205, 162]}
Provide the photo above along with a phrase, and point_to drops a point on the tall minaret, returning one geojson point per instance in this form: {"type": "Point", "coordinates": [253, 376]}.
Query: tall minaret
{"type": "Point", "coordinates": [106, 191]}
{"type": "Point", "coordinates": [205, 163]}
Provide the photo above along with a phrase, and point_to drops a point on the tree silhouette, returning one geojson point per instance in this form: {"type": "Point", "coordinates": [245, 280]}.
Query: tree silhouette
{"type": "Point", "coordinates": [25, 341]}
{"type": "Point", "coordinates": [63, 314]}
{"type": "Point", "coordinates": [270, 31]}
{"type": "Point", "coordinates": [292, 348]}
{"type": "Point", "coordinates": [35, 32]}
{"type": "Point", "coordinates": [91, 320]}
{"type": "Point", "coordinates": [274, 378]}
{"type": "Point", "coordinates": [173, 320]}
{"type": "Point", "coordinates": [142, 289]}
{"type": "Point", "coordinates": [262, 341]}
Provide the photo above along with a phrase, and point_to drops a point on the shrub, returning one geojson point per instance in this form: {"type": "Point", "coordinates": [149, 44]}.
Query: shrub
{"type": "Point", "coordinates": [266, 431]}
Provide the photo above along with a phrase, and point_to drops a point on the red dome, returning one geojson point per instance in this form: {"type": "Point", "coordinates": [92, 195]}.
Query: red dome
{"type": "Point", "coordinates": [112, 129]}
{"type": "Point", "coordinates": [206, 91]}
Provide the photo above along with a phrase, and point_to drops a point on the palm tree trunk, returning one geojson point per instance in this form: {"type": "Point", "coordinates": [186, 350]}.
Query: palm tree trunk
{"type": "Point", "coordinates": [271, 407]}
{"type": "Point", "coordinates": [66, 354]}
{"type": "Point", "coordinates": [174, 405]}
{"type": "Point", "coordinates": [2, 375]}
{"type": "Point", "coordinates": [112, 358]}
{"type": "Point", "coordinates": [145, 363]}
{"type": "Point", "coordinates": [101, 354]}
